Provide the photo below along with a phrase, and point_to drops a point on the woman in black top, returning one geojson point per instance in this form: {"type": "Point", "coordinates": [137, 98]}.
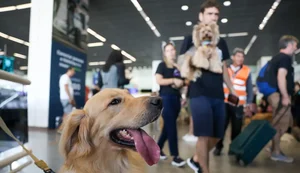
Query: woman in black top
{"type": "Point", "coordinates": [168, 77]}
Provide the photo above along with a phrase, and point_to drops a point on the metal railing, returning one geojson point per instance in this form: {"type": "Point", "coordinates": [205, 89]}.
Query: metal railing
{"type": "Point", "coordinates": [14, 157]}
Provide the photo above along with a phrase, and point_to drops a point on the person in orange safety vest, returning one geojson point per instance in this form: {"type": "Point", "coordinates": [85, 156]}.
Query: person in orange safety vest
{"type": "Point", "coordinates": [240, 75]}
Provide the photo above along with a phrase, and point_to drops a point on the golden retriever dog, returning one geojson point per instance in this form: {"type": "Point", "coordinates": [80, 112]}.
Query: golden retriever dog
{"type": "Point", "coordinates": [106, 135]}
{"type": "Point", "coordinates": [205, 54]}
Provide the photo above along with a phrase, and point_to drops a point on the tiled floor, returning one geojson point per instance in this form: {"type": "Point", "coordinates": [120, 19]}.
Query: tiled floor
{"type": "Point", "coordinates": [44, 145]}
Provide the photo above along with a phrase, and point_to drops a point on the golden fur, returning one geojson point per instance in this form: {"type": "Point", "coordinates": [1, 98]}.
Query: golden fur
{"type": "Point", "coordinates": [205, 56]}
{"type": "Point", "coordinates": [85, 142]}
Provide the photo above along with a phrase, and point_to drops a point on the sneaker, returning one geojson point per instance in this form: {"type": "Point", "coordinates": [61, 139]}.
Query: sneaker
{"type": "Point", "coordinates": [199, 171]}
{"type": "Point", "coordinates": [189, 138]}
{"type": "Point", "coordinates": [193, 165]}
{"type": "Point", "coordinates": [162, 156]}
{"type": "Point", "coordinates": [270, 150]}
{"type": "Point", "coordinates": [282, 158]}
{"type": "Point", "coordinates": [217, 152]}
{"type": "Point", "coordinates": [177, 161]}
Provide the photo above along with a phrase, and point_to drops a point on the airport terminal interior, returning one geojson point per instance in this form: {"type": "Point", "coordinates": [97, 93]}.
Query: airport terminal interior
{"type": "Point", "coordinates": [100, 85]}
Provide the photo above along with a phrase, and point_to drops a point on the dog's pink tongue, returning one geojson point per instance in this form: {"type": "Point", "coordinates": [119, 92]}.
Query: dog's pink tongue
{"type": "Point", "coordinates": [146, 146]}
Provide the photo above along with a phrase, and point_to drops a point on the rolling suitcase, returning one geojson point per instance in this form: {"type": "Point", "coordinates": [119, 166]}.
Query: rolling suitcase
{"type": "Point", "coordinates": [247, 145]}
{"type": "Point", "coordinates": [251, 141]}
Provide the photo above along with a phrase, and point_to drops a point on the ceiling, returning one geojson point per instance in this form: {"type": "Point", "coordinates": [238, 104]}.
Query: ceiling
{"type": "Point", "coordinates": [121, 24]}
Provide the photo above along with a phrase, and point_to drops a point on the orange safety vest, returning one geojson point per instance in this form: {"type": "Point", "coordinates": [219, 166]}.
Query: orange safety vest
{"type": "Point", "coordinates": [239, 82]}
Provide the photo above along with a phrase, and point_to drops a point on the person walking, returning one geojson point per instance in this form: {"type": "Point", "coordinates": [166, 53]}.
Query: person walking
{"type": "Point", "coordinates": [282, 76]}
{"type": "Point", "coordinates": [66, 93]}
{"type": "Point", "coordinates": [240, 76]}
{"type": "Point", "coordinates": [207, 96]}
{"type": "Point", "coordinates": [169, 80]}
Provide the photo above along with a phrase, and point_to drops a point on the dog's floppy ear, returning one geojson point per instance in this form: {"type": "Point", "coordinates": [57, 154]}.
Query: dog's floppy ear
{"type": "Point", "coordinates": [216, 33]}
{"type": "Point", "coordinates": [196, 35]}
{"type": "Point", "coordinates": [75, 140]}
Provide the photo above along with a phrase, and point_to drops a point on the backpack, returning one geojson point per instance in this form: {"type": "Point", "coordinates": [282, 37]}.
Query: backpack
{"type": "Point", "coordinates": [263, 83]}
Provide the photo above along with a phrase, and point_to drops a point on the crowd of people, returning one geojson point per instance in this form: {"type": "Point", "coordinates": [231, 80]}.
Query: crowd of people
{"type": "Point", "coordinates": [208, 98]}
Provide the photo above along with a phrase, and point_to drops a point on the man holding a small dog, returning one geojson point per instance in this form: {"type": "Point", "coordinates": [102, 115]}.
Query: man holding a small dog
{"type": "Point", "coordinates": [205, 67]}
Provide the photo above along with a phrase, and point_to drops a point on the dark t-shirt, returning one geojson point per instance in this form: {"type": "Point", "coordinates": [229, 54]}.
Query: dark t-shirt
{"type": "Point", "coordinates": [285, 61]}
{"type": "Point", "coordinates": [166, 73]}
{"type": "Point", "coordinates": [209, 84]}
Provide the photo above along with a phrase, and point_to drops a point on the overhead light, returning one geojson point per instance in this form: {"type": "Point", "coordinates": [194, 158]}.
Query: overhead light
{"type": "Point", "coordinates": [96, 44]}
{"type": "Point", "coordinates": [184, 7]}
{"type": "Point", "coordinates": [223, 35]}
{"type": "Point", "coordinates": [17, 7]}
{"type": "Point", "coordinates": [23, 6]}
{"type": "Point", "coordinates": [17, 40]}
{"type": "Point", "coordinates": [146, 18]}
{"type": "Point", "coordinates": [188, 23]}
{"type": "Point", "coordinates": [250, 44]}
{"type": "Point", "coordinates": [23, 67]}
{"type": "Point", "coordinates": [19, 55]}
{"type": "Point", "coordinates": [176, 38]}
{"type": "Point", "coordinates": [224, 20]}
{"type": "Point", "coordinates": [128, 56]}
{"type": "Point", "coordinates": [156, 32]}
{"type": "Point", "coordinates": [90, 31]}
{"type": "Point", "coordinates": [268, 15]}
{"type": "Point", "coordinates": [10, 8]}
{"type": "Point", "coordinates": [96, 63]}
{"type": "Point", "coordinates": [127, 61]}
{"type": "Point", "coordinates": [137, 5]}
{"type": "Point", "coordinates": [238, 34]}
{"type": "Point", "coordinates": [3, 35]}
{"type": "Point", "coordinates": [115, 47]}
{"type": "Point", "coordinates": [226, 3]}
{"type": "Point", "coordinates": [26, 43]}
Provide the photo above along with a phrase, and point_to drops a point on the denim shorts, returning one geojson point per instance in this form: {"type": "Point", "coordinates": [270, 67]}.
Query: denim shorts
{"type": "Point", "coordinates": [66, 106]}
{"type": "Point", "coordinates": [209, 116]}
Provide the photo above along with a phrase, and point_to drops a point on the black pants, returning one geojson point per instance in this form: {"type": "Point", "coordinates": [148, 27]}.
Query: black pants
{"type": "Point", "coordinates": [170, 114]}
{"type": "Point", "coordinates": [235, 115]}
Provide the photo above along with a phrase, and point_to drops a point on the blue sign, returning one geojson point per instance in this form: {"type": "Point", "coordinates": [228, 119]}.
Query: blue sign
{"type": "Point", "coordinates": [62, 58]}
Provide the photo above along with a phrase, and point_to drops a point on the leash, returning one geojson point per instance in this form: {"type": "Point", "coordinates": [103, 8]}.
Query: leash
{"type": "Point", "coordinates": [39, 163]}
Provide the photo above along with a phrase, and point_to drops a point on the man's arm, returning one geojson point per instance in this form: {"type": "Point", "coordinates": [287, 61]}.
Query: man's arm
{"type": "Point", "coordinates": [226, 78]}
{"type": "Point", "coordinates": [249, 89]}
{"type": "Point", "coordinates": [68, 92]}
{"type": "Point", "coordinates": [282, 83]}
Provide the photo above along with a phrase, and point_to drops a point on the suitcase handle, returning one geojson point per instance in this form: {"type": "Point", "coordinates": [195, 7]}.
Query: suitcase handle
{"type": "Point", "coordinates": [280, 106]}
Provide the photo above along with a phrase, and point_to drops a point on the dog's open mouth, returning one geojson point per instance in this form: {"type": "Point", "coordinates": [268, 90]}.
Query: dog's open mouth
{"type": "Point", "coordinates": [207, 38]}
{"type": "Point", "coordinates": [139, 140]}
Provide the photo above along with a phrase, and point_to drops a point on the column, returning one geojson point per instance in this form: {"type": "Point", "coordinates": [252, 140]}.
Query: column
{"type": "Point", "coordinates": [55, 45]}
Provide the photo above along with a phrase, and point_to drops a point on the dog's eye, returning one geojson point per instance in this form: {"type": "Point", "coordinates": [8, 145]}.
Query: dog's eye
{"type": "Point", "coordinates": [115, 101]}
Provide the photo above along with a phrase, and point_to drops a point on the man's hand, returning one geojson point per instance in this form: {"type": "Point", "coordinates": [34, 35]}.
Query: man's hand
{"type": "Point", "coordinates": [247, 111]}
{"type": "Point", "coordinates": [286, 101]}
{"type": "Point", "coordinates": [72, 102]}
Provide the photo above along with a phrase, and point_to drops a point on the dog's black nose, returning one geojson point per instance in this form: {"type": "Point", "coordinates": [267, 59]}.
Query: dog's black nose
{"type": "Point", "coordinates": [156, 101]}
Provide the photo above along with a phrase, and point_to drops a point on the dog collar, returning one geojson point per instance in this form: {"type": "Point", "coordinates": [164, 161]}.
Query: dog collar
{"type": "Point", "coordinates": [205, 43]}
